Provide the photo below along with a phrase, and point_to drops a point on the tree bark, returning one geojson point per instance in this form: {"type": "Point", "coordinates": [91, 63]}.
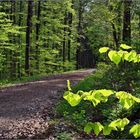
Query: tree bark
{"type": "Point", "coordinates": [79, 30]}
{"type": "Point", "coordinates": [20, 41]}
{"type": "Point", "coordinates": [127, 22]}
{"type": "Point", "coordinates": [64, 38]}
{"type": "Point", "coordinates": [28, 39]}
{"type": "Point", "coordinates": [38, 12]}
{"type": "Point", "coordinates": [139, 25]}
{"type": "Point", "coordinates": [115, 36]}
{"type": "Point", "coordinates": [69, 34]}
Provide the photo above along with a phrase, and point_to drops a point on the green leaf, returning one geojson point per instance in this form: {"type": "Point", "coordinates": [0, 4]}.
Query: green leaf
{"type": "Point", "coordinates": [107, 130]}
{"type": "Point", "coordinates": [122, 123]}
{"type": "Point", "coordinates": [105, 92]}
{"type": "Point", "coordinates": [131, 56]}
{"type": "Point", "coordinates": [136, 99]}
{"type": "Point", "coordinates": [126, 47]}
{"type": "Point", "coordinates": [122, 53]}
{"type": "Point", "coordinates": [93, 99]}
{"type": "Point", "coordinates": [113, 124]}
{"type": "Point", "coordinates": [103, 49]}
{"type": "Point", "coordinates": [73, 99]}
{"type": "Point", "coordinates": [126, 99]}
{"type": "Point", "coordinates": [115, 57]}
{"type": "Point", "coordinates": [97, 127]}
{"type": "Point", "coordinates": [135, 130]}
{"type": "Point", "coordinates": [88, 127]}
{"type": "Point", "coordinates": [119, 123]}
{"type": "Point", "coordinates": [110, 55]}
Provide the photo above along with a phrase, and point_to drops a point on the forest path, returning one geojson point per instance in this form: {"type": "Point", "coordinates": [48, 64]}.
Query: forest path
{"type": "Point", "coordinates": [19, 104]}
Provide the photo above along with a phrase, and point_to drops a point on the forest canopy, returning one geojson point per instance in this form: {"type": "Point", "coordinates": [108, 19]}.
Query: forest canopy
{"type": "Point", "coordinates": [39, 37]}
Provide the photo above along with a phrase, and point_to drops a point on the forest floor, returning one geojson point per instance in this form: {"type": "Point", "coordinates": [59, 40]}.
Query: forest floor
{"type": "Point", "coordinates": [23, 106]}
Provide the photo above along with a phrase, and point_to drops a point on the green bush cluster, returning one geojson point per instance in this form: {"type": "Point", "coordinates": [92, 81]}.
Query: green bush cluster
{"type": "Point", "coordinates": [125, 78]}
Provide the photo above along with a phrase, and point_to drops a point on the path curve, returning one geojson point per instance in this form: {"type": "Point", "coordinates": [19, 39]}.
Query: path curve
{"type": "Point", "coordinates": [20, 103]}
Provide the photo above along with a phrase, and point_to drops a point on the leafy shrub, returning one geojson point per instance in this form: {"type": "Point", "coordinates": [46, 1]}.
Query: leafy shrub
{"type": "Point", "coordinates": [126, 100]}
{"type": "Point", "coordinates": [125, 81]}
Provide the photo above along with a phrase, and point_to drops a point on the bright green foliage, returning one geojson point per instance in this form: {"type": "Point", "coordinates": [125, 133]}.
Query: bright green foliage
{"type": "Point", "coordinates": [119, 124]}
{"type": "Point", "coordinates": [97, 127]}
{"type": "Point", "coordinates": [48, 36]}
{"type": "Point", "coordinates": [88, 128]}
{"type": "Point", "coordinates": [126, 99]}
{"type": "Point", "coordinates": [114, 57]}
{"type": "Point", "coordinates": [126, 47]}
{"type": "Point", "coordinates": [73, 99]}
{"type": "Point", "coordinates": [103, 49]}
{"type": "Point", "coordinates": [107, 130]}
{"type": "Point", "coordinates": [116, 125]}
{"type": "Point", "coordinates": [97, 96]}
{"type": "Point", "coordinates": [135, 130]}
{"type": "Point", "coordinates": [117, 56]}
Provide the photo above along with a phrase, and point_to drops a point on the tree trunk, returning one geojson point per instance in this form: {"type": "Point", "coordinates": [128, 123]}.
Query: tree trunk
{"type": "Point", "coordinates": [28, 39]}
{"type": "Point", "coordinates": [79, 30]}
{"type": "Point", "coordinates": [115, 36]}
{"type": "Point", "coordinates": [20, 41]}
{"type": "Point", "coordinates": [64, 39]}
{"type": "Point", "coordinates": [139, 25]}
{"type": "Point", "coordinates": [127, 22]}
{"type": "Point", "coordinates": [69, 34]}
{"type": "Point", "coordinates": [38, 12]}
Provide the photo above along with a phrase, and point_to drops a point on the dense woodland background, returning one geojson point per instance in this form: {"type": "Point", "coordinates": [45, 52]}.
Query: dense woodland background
{"type": "Point", "coordinates": [39, 37]}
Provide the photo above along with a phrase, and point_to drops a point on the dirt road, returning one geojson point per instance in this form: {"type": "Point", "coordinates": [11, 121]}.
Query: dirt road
{"type": "Point", "coordinates": [20, 104]}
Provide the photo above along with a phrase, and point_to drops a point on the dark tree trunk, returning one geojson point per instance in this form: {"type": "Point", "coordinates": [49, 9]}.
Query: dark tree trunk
{"type": "Point", "coordinates": [38, 12]}
{"type": "Point", "coordinates": [69, 34]}
{"type": "Point", "coordinates": [119, 23]}
{"type": "Point", "coordinates": [139, 25]}
{"type": "Point", "coordinates": [115, 36]}
{"type": "Point", "coordinates": [14, 41]}
{"type": "Point", "coordinates": [64, 39]}
{"type": "Point", "coordinates": [127, 22]}
{"type": "Point", "coordinates": [19, 24]}
{"type": "Point", "coordinates": [28, 39]}
{"type": "Point", "coordinates": [79, 30]}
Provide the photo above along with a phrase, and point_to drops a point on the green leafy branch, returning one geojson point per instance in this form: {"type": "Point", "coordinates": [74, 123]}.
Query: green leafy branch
{"type": "Point", "coordinates": [97, 127]}
{"type": "Point", "coordinates": [100, 96]}
{"type": "Point", "coordinates": [122, 54]}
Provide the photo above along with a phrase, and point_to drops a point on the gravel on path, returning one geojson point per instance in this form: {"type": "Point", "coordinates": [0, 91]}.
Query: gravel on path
{"type": "Point", "coordinates": [20, 104]}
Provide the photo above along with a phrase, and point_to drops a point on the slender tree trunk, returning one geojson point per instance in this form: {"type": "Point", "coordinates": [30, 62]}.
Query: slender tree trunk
{"type": "Point", "coordinates": [64, 39]}
{"type": "Point", "coordinates": [69, 34]}
{"type": "Point", "coordinates": [115, 36]}
{"type": "Point", "coordinates": [127, 22]}
{"type": "Point", "coordinates": [20, 41]}
{"type": "Point", "coordinates": [139, 25]}
{"type": "Point", "coordinates": [14, 41]}
{"type": "Point", "coordinates": [28, 39]}
{"type": "Point", "coordinates": [119, 23]}
{"type": "Point", "coordinates": [79, 30]}
{"type": "Point", "coordinates": [38, 12]}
